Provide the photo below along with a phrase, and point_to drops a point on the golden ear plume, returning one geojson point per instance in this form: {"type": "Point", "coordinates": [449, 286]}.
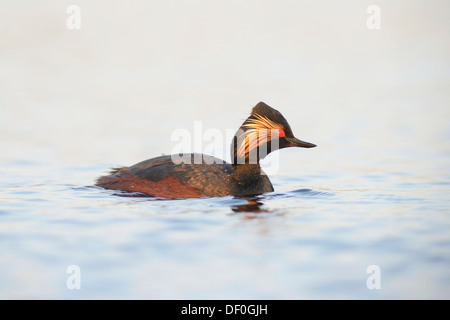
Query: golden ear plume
{"type": "Point", "coordinates": [257, 132]}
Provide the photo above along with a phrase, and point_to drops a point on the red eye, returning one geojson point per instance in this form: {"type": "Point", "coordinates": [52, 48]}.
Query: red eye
{"type": "Point", "coordinates": [281, 133]}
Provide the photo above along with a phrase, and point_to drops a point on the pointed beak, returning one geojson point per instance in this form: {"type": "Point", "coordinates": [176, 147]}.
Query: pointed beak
{"type": "Point", "coordinates": [294, 142]}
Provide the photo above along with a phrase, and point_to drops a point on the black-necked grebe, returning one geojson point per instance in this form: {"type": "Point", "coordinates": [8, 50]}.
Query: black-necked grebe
{"type": "Point", "coordinates": [264, 131]}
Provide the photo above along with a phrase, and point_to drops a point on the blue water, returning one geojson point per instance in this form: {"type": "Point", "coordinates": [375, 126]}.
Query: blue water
{"type": "Point", "coordinates": [374, 194]}
{"type": "Point", "coordinates": [298, 243]}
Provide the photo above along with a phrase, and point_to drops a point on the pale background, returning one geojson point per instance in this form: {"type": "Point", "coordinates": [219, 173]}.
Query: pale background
{"type": "Point", "coordinates": [376, 102]}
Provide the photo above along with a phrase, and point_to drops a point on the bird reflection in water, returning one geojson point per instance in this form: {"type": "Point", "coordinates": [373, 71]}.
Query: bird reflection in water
{"type": "Point", "coordinates": [252, 205]}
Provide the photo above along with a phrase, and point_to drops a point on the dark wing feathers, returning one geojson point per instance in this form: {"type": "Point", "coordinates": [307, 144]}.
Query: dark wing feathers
{"type": "Point", "coordinates": [212, 177]}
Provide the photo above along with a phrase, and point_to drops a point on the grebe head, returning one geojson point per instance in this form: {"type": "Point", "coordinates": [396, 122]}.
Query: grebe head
{"type": "Point", "coordinates": [264, 131]}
